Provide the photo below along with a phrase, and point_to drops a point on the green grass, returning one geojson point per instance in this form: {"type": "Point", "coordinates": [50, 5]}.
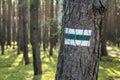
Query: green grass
{"type": "Point", "coordinates": [12, 66]}
{"type": "Point", "coordinates": [109, 68]}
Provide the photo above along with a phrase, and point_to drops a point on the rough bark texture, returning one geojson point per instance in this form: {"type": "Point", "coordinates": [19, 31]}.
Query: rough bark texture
{"type": "Point", "coordinates": [34, 36]}
{"type": "Point", "coordinates": [80, 62]}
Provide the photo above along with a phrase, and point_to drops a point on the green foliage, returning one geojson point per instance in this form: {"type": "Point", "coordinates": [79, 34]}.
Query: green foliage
{"type": "Point", "coordinates": [12, 66]}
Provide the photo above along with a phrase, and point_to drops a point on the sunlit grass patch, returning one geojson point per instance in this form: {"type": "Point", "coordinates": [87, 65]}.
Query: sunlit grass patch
{"type": "Point", "coordinates": [12, 66]}
{"type": "Point", "coordinates": [109, 68]}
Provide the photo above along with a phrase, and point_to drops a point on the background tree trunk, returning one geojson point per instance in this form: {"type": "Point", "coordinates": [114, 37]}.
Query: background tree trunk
{"type": "Point", "coordinates": [76, 60]}
{"type": "Point", "coordinates": [20, 28]}
{"type": "Point", "coordinates": [9, 22]}
{"type": "Point", "coordinates": [14, 27]}
{"type": "Point", "coordinates": [4, 25]}
{"type": "Point", "coordinates": [0, 23]}
{"type": "Point", "coordinates": [53, 28]}
{"type": "Point", "coordinates": [34, 5]}
{"type": "Point", "coordinates": [46, 25]}
{"type": "Point", "coordinates": [25, 32]}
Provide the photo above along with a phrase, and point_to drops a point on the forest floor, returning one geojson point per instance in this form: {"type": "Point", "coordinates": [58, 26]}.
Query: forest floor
{"type": "Point", "coordinates": [12, 66]}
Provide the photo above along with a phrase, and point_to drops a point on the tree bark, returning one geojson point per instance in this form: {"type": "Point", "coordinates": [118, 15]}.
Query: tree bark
{"type": "Point", "coordinates": [79, 60]}
{"type": "Point", "coordinates": [60, 13]}
{"type": "Point", "coordinates": [46, 26]}
{"type": "Point", "coordinates": [20, 28]}
{"type": "Point", "coordinates": [104, 35]}
{"type": "Point", "coordinates": [14, 26]}
{"type": "Point", "coordinates": [0, 23]}
{"type": "Point", "coordinates": [9, 22]}
{"type": "Point", "coordinates": [53, 29]}
{"type": "Point", "coordinates": [4, 25]}
{"type": "Point", "coordinates": [25, 32]}
{"type": "Point", "coordinates": [34, 5]}
{"type": "Point", "coordinates": [39, 22]}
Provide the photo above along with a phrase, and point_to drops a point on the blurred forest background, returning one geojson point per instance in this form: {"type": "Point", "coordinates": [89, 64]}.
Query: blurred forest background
{"type": "Point", "coordinates": [30, 39]}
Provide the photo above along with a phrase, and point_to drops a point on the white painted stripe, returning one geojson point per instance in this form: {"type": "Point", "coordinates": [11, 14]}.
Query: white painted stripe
{"type": "Point", "coordinates": [78, 31]}
{"type": "Point", "coordinates": [76, 42]}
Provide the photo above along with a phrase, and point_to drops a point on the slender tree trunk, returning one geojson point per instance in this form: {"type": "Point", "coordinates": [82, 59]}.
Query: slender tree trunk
{"type": "Point", "coordinates": [0, 23]}
{"type": "Point", "coordinates": [25, 32]}
{"type": "Point", "coordinates": [39, 22]}
{"type": "Point", "coordinates": [104, 35]}
{"type": "Point", "coordinates": [80, 48]}
{"type": "Point", "coordinates": [9, 22]}
{"type": "Point", "coordinates": [34, 5]}
{"type": "Point", "coordinates": [20, 28]}
{"type": "Point", "coordinates": [14, 29]}
{"type": "Point", "coordinates": [60, 13]}
{"type": "Point", "coordinates": [4, 25]}
{"type": "Point", "coordinates": [51, 29]}
{"type": "Point", "coordinates": [46, 26]}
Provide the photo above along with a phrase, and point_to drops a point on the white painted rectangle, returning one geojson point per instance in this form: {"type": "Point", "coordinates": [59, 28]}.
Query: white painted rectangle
{"type": "Point", "coordinates": [78, 31]}
{"type": "Point", "coordinates": [76, 42]}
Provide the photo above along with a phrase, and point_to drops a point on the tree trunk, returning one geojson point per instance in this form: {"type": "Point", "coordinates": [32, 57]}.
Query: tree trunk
{"type": "Point", "coordinates": [80, 48]}
{"type": "Point", "coordinates": [60, 13]}
{"type": "Point", "coordinates": [0, 23]}
{"type": "Point", "coordinates": [53, 29]}
{"type": "Point", "coordinates": [46, 26]}
{"type": "Point", "coordinates": [104, 35]}
{"type": "Point", "coordinates": [14, 27]}
{"type": "Point", "coordinates": [39, 22]}
{"type": "Point", "coordinates": [9, 22]}
{"type": "Point", "coordinates": [20, 28]}
{"type": "Point", "coordinates": [25, 32]}
{"type": "Point", "coordinates": [34, 5]}
{"type": "Point", "coordinates": [4, 25]}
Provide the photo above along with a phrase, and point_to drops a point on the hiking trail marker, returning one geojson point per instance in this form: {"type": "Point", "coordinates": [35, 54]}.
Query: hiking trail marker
{"type": "Point", "coordinates": [77, 37]}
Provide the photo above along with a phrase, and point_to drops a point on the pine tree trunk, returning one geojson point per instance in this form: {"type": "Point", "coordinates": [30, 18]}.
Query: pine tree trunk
{"type": "Point", "coordinates": [53, 29]}
{"type": "Point", "coordinates": [39, 22]}
{"type": "Point", "coordinates": [4, 25]}
{"type": "Point", "coordinates": [34, 5]}
{"type": "Point", "coordinates": [25, 32]}
{"type": "Point", "coordinates": [80, 48]}
{"type": "Point", "coordinates": [14, 29]}
{"type": "Point", "coordinates": [60, 13]}
{"type": "Point", "coordinates": [46, 26]}
{"type": "Point", "coordinates": [20, 28]}
{"type": "Point", "coordinates": [104, 34]}
{"type": "Point", "coordinates": [9, 22]}
{"type": "Point", "coordinates": [0, 23]}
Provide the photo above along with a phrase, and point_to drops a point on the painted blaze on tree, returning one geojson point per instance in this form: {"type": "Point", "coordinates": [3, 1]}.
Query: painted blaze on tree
{"type": "Point", "coordinates": [80, 40]}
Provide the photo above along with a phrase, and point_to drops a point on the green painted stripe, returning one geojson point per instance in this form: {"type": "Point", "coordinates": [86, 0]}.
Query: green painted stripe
{"type": "Point", "coordinates": [77, 37]}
